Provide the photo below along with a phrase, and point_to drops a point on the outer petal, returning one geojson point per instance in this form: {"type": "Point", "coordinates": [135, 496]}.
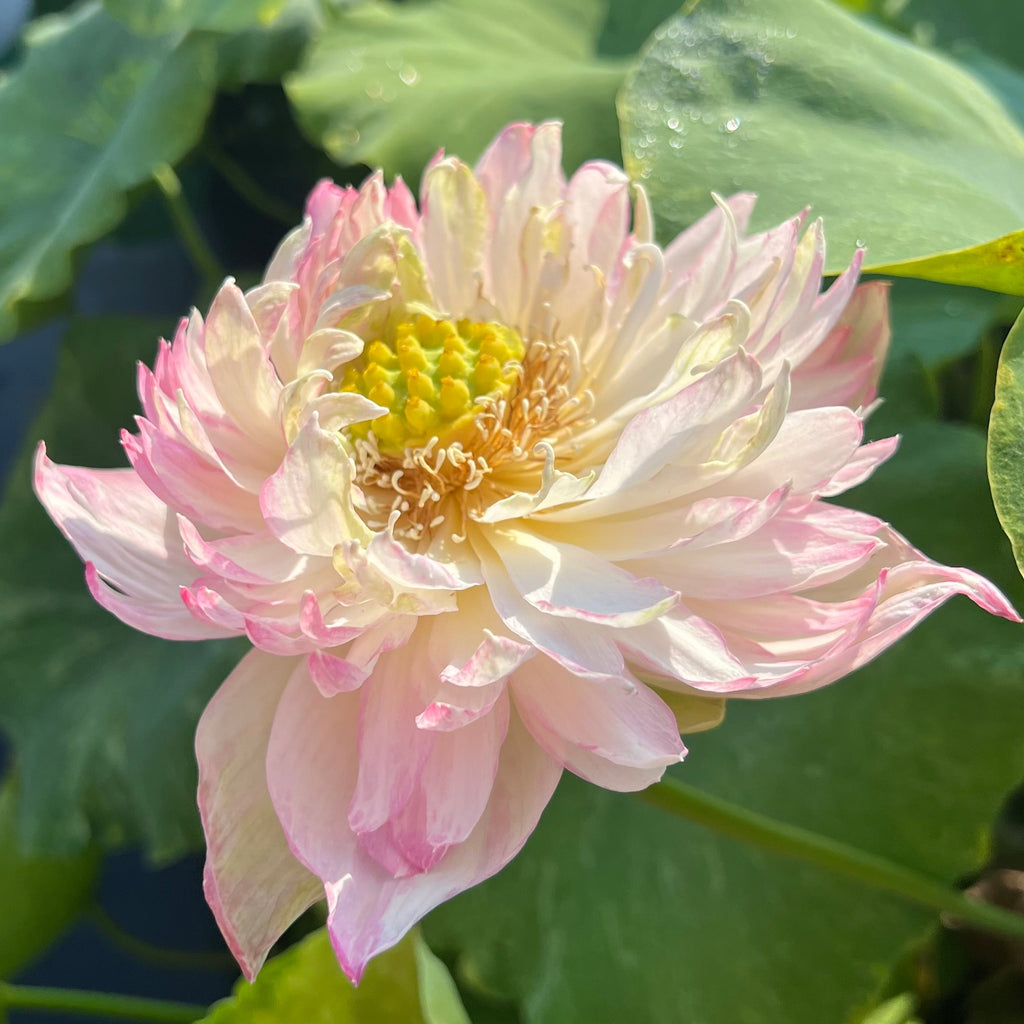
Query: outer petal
{"type": "Point", "coordinates": [392, 751]}
{"type": "Point", "coordinates": [594, 729]}
{"type": "Point", "coordinates": [114, 521]}
{"type": "Point", "coordinates": [859, 339]}
{"type": "Point", "coordinates": [190, 482]}
{"type": "Point", "coordinates": [157, 618]}
{"type": "Point", "coordinates": [453, 789]}
{"type": "Point", "coordinates": [370, 910]}
{"type": "Point", "coordinates": [253, 883]}
{"type": "Point", "coordinates": [794, 551]}
{"type": "Point", "coordinates": [253, 558]}
{"type": "Point", "coordinates": [124, 532]}
{"type": "Point", "coordinates": [864, 462]}
{"type": "Point", "coordinates": [363, 922]}
{"type": "Point", "coordinates": [912, 589]}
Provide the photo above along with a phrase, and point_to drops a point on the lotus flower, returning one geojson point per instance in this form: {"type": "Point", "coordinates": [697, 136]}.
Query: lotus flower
{"type": "Point", "coordinates": [496, 487]}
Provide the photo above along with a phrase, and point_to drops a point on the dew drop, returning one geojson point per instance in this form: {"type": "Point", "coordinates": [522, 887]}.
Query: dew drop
{"type": "Point", "coordinates": [341, 138]}
{"type": "Point", "coordinates": [732, 124]}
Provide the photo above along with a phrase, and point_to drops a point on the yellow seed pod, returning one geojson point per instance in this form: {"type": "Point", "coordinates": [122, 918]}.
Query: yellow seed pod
{"type": "Point", "coordinates": [433, 377]}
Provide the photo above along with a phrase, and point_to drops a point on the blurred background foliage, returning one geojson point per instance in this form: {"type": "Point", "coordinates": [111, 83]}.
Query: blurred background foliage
{"type": "Point", "coordinates": [151, 146]}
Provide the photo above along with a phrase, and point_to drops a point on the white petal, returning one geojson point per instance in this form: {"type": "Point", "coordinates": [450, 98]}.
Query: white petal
{"type": "Point", "coordinates": [307, 503]}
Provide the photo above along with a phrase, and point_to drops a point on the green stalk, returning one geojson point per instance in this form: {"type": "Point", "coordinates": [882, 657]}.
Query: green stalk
{"type": "Point", "coordinates": [178, 959]}
{"type": "Point", "coordinates": [249, 188]}
{"type": "Point", "coordinates": [188, 229]}
{"type": "Point", "coordinates": [840, 858]}
{"type": "Point", "coordinates": [97, 1004]}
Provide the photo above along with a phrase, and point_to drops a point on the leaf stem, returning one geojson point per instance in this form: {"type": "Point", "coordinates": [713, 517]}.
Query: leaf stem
{"type": "Point", "coordinates": [835, 856]}
{"type": "Point", "coordinates": [179, 959]}
{"type": "Point", "coordinates": [97, 1004]}
{"type": "Point", "coordinates": [248, 188]}
{"type": "Point", "coordinates": [187, 227]}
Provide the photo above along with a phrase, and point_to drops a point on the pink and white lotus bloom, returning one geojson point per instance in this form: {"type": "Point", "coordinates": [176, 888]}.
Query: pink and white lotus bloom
{"type": "Point", "coordinates": [496, 487]}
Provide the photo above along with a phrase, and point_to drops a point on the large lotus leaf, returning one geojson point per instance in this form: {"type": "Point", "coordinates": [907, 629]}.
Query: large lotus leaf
{"type": "Point", "coordinates": [257, 40]}
{"type": "Point", "coordinates": [386, 84]}
{"type": "Point", "coordinates": [1006, 440]}
{"type": "Point", "coordinates": [997, 265]}
{"type": "Point", "coordinates": [101, 718]}
{"type": "Point", "coordinates": [156, 16]}
{"type": "Point", "coordinates": [615, 905]}
{"type": "Point", "coordinates": [89, 114]}
{"type": "Point", "coordinates": [991, 25]}
{"type": "Point", "coordinates": [897, 147]}
{"type": "Point", "coordinates": [1005, 80]}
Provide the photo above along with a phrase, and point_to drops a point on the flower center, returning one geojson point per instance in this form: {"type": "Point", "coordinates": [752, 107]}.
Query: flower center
{"type": "Point", "coordinates": [434, 377]}
{"type": "Point", "coordinates": [468, 405]}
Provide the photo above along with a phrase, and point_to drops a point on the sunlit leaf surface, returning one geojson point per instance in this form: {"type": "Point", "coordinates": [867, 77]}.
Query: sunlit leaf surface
{"type": "Point", "coordinates": [304, 985]}
{"type": "Point", "coordinates": [1006, 440]}
{"type": "Point", "coordinates": [387, 84]}
{"type": "Point", "coordinates": [87, 116]}
{"type": "Point", "coordinates": [896, 147]}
